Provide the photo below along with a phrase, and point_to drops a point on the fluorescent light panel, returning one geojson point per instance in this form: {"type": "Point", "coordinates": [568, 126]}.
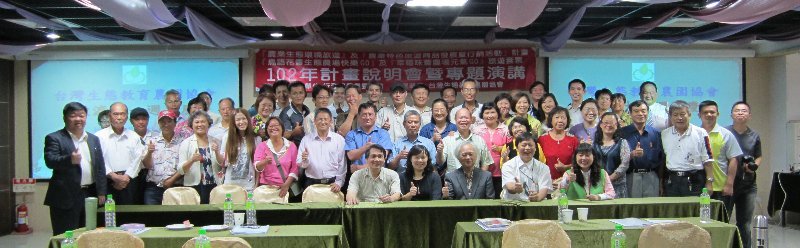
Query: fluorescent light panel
{"type": "Point", "coordinates": [436, 3]}
{"type": "Point", "coordinates": [682, 23]}
{"type": "Point", "coordinates": [256, 21]}
{"type": "Point", "coordinates": [474, 21]}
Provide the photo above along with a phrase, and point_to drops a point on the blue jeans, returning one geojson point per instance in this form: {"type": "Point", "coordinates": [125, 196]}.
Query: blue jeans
{"type": "Point", "coordinates": [744, 200]}
{"type": "Point", "coordinates": [153, 195]}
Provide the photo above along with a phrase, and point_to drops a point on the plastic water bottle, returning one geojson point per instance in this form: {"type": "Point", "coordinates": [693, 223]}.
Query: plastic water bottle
{"type": "Point", "coordinates": [563, 203]}
{"type": "Point", "coordinates": [227, 209]}
{"type": "Point", "coordinates": [250, 210]}
{"type": "Point", "coordinates": [69, 241]}
{"type": "Point", "coordinates": [618, 238]}
{"type": "Point", "coordinates": [111, 212]}
{"type": "Point", "coordinates": [705, 207]}
{"type": "Point", "coordinates": [202, 240]}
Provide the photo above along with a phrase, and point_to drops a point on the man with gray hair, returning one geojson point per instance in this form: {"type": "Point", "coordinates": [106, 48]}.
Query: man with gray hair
{"type": "Point", "coordinates": [689, 159]}
{"type": "Point", "coordinates": [172, 100]}
{"type": "Point", "coordinates": [447, 153]}
{"type": "Point", "coordinates": [411, 122]}
{"type": "Point", "coordinates": [123, 152]}
{"type": "Point", "coordinates": [459, 183]}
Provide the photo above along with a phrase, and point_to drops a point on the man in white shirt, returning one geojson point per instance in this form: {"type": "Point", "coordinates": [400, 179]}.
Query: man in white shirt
{"type": "Point", "coordinates": [657, 118]}
{"type": "Point", "coordinates": [420, 94]}
{"type": "Point", "coordinates": [140, 119]}
{"type": "Point", "coordinates": [226, 111]}
{"type": "Point", "coordinates": [525, 178]}
{"type": "Point", "coordinates": [123, 153]}
{"type": "Point", "coordinates": [321, 95]}
{"type": "Point", "coordinates": [469, 90]}
{"type": "Point", "coordinates": [390, 118]}
{"type": "Point", "coordinates": [689, 159]}
{"type": "Point", "coordinates": [577, 88]}
{"type": "Point", "coordinates": [447, 153]}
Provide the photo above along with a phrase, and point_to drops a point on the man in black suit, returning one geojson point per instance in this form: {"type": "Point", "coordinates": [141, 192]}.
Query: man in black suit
{"type": "Point", "coordinates": [467, 182]}
{"type": "Point", "coordinates": [78, 170]}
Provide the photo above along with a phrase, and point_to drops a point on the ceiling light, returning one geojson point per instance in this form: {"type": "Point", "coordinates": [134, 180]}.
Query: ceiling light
{"type": "Point", "coordinates": [712, 4]}
{"type": "Point", "coordinates": [474, 21]}
{"type": "Point", "coordinates": [552, 9]}
{"type": "Point", "coordinates": [436, 3]}
{"type": "Point", "coordinates": [682, 22]}
{"type": "Point", "coordinates": [53, 36]}
{"type": "Point", "coordinates": [256, 21]}
{"type": "Point", "coordinates": [276, 34]}
{"type": "Point", "coordinates": [88, 4]}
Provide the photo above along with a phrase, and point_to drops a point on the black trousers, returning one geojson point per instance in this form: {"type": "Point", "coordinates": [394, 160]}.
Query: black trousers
{"type": "Point", "coordinates": [63, 220]}
{"type": "Point", "coordinates": [129, 195]}
{"type": "Point", "coordinates": [689, 183]}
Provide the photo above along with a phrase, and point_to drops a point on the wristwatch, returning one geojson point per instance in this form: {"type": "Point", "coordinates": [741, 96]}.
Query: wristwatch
{"type": "Point", "coordinates": [710, 179]}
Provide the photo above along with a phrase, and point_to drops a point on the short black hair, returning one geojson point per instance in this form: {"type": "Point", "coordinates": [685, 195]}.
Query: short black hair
{"type": "Point", "coordinates": [488, 106]}
{"type": "Point", "coordinates": [266, 88]}
{"type": "Point", "coordinates": [524, 137]}
{"type": "Point", "coordinates": [322, 110]}
{"type": "Point", "coordinates": [318, 88]}
{"type": "Point", "coordinates": [376, 83]}
{"type": "Point", "coordinates": [338, 85]}
{"type": "Point", "coordinates": [205, 93]}
{"type": "Point", "coordinates": [297, 84]}
{"type": "Point", "coordinates": [516, 99]}
{"type": "Point", "coordinates": [537, 83]}
{"type": "Point", "coordinates": [446, 115]}
{"type": "Point", "coordinates": [107, 112]}
{"type": "Point", "coordinates": [279, 83]}
{"type": "Point", "coordinates": [587, 101]}
{"type": "Point", "coordinates": [421, 86]}
{"type": "Point", "coordinates": [353, 86]}
{"type": "Point", "coordinates": [583, 84]}
{"type": "Point", "coordinates": [603, 91]}
{"type": "Point", "coordinates": [376, 146]}
{"type": "Point", "coordinates": [441, 92]}
{"type": "Point", "coordinates": [556, 110]}
{"type": "Point", "coordinates": [638, 103]}
{"type": "Point", "coordinates": [196, 100]}
{"type": "Point", "coordinates": [706, 103]}
{"type": "Point", "coordinates": [641, 87]}
{"type": "Point", "coordinates": [367, 105]}
{"type": "Point", "coordinates": [72, 107]}
{"type": "Point", "coordinates": [734, 105]}
{"type": "Point", "coordinates": [616, 96]}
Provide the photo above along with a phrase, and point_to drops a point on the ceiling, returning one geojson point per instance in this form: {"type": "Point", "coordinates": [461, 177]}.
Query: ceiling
{"type": "Point", "coordinates": [354, 19]}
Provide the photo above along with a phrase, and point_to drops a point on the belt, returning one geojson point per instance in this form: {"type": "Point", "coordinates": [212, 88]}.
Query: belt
{"type": "Point", "coordinates": [684, 173]}
{"type": "Point", "coordinates": [321, 181]}
{"type": "Point", "coordinates": [642, 170]}
{"type": "Point", "coordinates": [87, 186]}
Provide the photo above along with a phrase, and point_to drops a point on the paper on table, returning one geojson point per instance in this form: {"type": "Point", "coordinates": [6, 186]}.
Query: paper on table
{"type": "Point", "coordinates": [138, 231]}
{"type": "Point", "coordinates": [249, 230]}
{"type": "Point", "coordinates": [632, 222]}
{"type": "Point", "coordinates": [661, 221]}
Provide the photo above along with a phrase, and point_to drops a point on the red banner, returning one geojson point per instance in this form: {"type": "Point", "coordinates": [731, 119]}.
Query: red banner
{"type": "Point", "coordinates": [494, 69]}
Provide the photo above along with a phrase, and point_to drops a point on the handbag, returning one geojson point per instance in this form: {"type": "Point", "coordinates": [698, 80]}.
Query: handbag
{"type": "Point", "coordinates": [294, 189]}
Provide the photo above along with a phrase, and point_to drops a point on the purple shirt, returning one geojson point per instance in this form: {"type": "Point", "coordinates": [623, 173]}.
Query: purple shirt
{"type": "Point", "coordinates": [325, 157]}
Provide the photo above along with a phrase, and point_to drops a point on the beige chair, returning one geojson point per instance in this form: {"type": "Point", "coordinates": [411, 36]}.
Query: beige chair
{"type": "Point", "coordinates": [321, 193]}
{"type": "Point", "coordinates": [535, 233]}
{"type": "Point", "coordinates": [102, 238]}
{"type": "Point", "coordinates": [238, 194]}
{"type": "Point", "coordinates": [222, 242]}
{"type": "Point", "coordinates": [269, 194]}
{"type": "Point", "coordinates": [674, 234]}
{"type": "Point", "coordinates": [181, 196]}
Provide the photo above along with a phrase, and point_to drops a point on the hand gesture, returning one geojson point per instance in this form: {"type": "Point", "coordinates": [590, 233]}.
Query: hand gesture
{"type": "Point", "coordinates": [385, 198]}
{"type": "Point", "coordinates": [76, 157]}
{"type": "Point", "coordinates": [214, 147]}
{"type": "Point", "coordinates": [151, 147]}
{"type": "Point", "coordinates": [413, 190]}
{"type": "Point", "coordinates": [593, 197]}
{"type": "Point", "coordinates": [572, 176]}
{"type": "Point", "coordinates": [384, 100]}
{"type": "Point", "coordinates": [386, 124]}
{"type": "Point", "coordinates": [587, 140]}
{"type": "Point", "coordinates": [305, 155]}
{"type": "Point", "coordinates": [560, 166]}
{"type": "Point", "coordinates": [335, 188]}
{"type": "Point", "coordinates": [298, 127]}
{"type": "Point", "coordinates": [638, 151]}
{"type": "Point", "coordinates": [369, 142]}
{"type": "Point", "coordinates": [504, 154]}
{"type": "Point", "coordinates": [196, 157]}
{"type": "Point", "coordinates": [436, 135]}
{"type": "Point", "coordinates": [403, 153]}
{"type": "Point", "coordinates": [533, 196]}
{"type": "Point", "coordinates": [351, 199]}
{"type": "Point", "coordinates": [517, 188]}
{"type": "Point", "coordinates": [446, 190]}
{"type": "Point", "coordinates": [440, 147]}
{"type": "Point", "coordinates": [284, 190]}
{"type": "Point", "coordinates": [268, 159]}
{"type": "Point", "coordinates": [497, 148]}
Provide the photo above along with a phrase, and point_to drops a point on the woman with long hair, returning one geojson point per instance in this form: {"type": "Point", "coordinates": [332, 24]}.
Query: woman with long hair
{"type": "Point", "coordinates": [496, 136]}
{"type": "Point", "coordinates": [419, 182]}
{"type": "Point", "coordinates": [440, 125]}
{"type": "Point", "coordinates": [503, 102]}
{"type": "Point", "coordinates": [239, 145]}
{"type": "Point", "coordinates": [557, 145]}
{"type": "Point", "coordinates": [546, 104]}
{"type": "Point", "coordinates": [276, 158]}
{"type": "Point", "coordinates": [521, 104]}
{"type": "Point", "coordinates": [585, 131]}
{"type": "Point", "coordinates": [613, 152]}
{"type": "Point", "coordinates": [265, 105]}
{"type": "Point", "coordinates": [198, 157]}
{"type": "Point", "coordinates": [585, 179]}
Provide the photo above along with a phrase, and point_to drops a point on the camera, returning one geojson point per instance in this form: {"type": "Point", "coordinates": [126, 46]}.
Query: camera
{"type": "Point", "coordinates": [750, 162]}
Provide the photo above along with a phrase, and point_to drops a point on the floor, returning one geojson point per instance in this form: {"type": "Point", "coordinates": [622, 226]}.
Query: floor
{"type": "Point", "coordinates": [778, 237]}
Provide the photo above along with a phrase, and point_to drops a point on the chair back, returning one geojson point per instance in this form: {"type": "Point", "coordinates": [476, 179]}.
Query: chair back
{"type": "Point", "coordinates": [269, 194]}
{"type": "Point", "coordinates": [101, 238]}
{"type": "Point", "coordinates": [181, 196]}
{"type": "Point", "coordinates": [321, 193]}
{"type": "Point", "coordinates": [221, 242]}
{"type": "Point", "coordinates": [238, 194]}
{"type": "Point", "coordinates": [676, 234]}
{"type": "Point", "coordinates": [535, 233]}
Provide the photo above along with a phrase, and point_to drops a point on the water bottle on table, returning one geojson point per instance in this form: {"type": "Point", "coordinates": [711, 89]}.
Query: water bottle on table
{"type": "Point", "coordinates": [111, 212]}
{"type": "Point", "coordinates": [618, 237]}
{"type": "Point", "coordinates": [69, 241]}
{"type": "Point", "coordinates": [202, 240]}
{"type": "Point", "coordinates": [563, 203]}
{"type": "Point", "coordinates": [250, 210]}
{"type": "Point", "coordinates": [227, 208]}
{"type": "Point", "coordinates": [705, 207]}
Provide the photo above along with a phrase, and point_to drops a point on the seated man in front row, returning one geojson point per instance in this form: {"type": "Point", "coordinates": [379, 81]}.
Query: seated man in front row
{"type": "Point", "coordinates": [467, 182]}
{"type": "Point", "coordinates": [374, 183]}
{"type": "Point", "coordinates": [524, 177]}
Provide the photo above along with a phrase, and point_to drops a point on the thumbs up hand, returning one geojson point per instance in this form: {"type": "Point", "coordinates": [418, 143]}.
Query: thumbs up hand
{"type": "Point", "coordinates": [517, 188]}
{"type": "Point", "coordinates": [76, 157]}
{"type": "Point", "coordinates": [572, 177]}
{"type": "Point", "coordinates": [638, 151]}
{"type": "Point", "coordinates": [151, 147]}
{"type": "Point", "coordinates": [561, 166]}
{"type": "Point", "coordinates": [413, 191]}
{"type": "Point", "coordinates": [305, 155]}
{"type": "Point", "coordinates": [386, 124]}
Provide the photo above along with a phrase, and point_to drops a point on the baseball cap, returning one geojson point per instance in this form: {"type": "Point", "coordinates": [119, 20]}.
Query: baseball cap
{"type": "Point", "coordinates": [167, 113]}
{"type": "Point", "coordinates": [138, 112]}
{"type": "Point", "coordinates": [398, 86]}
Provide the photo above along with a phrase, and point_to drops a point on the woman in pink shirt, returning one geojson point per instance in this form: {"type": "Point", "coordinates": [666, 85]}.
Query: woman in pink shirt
{"type": "Point", "coordinates": [496, 136]}
{"type": "Point", "coordinates": [286, 153]}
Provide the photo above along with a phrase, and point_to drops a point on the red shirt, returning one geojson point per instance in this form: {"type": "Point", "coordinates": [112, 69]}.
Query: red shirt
{"type": "Point", "coordinates": [557, 150]}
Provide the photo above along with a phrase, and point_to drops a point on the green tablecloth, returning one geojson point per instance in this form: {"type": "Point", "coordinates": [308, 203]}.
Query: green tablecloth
{"type": "Point", "coordinates": [268, 214]}
{"type": "Point", "coordinates": [593, 233]}
{"type": "Point", "coordinates": [278, 236]}
{"type": "Point", "coordinates": [653, 207]}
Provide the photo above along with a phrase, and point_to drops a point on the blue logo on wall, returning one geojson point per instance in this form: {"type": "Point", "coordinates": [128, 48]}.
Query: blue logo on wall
{"type": "Point", "coordinates": [134, 74]}
{"type": "Point", "coordinates": [643, 72]}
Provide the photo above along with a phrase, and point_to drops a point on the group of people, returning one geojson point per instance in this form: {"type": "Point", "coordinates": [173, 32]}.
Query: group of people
{"type": "Point", "coordinates": [521, 146]}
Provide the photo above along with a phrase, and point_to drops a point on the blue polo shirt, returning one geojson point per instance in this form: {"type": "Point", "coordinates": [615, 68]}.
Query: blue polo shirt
{"type": "Point", "coordinates": [359, 137]}
{"type": "Point", "coordinates": [404, 144]}
{"type": "Point", "coordinates": [428, 130]}
{"type": "Point", "coordinates": [651, 144]}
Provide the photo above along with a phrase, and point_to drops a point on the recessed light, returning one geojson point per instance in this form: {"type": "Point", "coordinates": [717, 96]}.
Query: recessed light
{"type": "Point", "coordinates": [552, 9]}
{"type": "Point", "coordinates": [53, 36]}
{"type": "Point", "coordinates": [436, 3]}
{"type": "Point", "coordinates": [276, 34]}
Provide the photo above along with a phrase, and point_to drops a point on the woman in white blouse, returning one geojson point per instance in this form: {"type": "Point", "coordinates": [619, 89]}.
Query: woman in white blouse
{"type": "Point", "coordinates": [198, 157]}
